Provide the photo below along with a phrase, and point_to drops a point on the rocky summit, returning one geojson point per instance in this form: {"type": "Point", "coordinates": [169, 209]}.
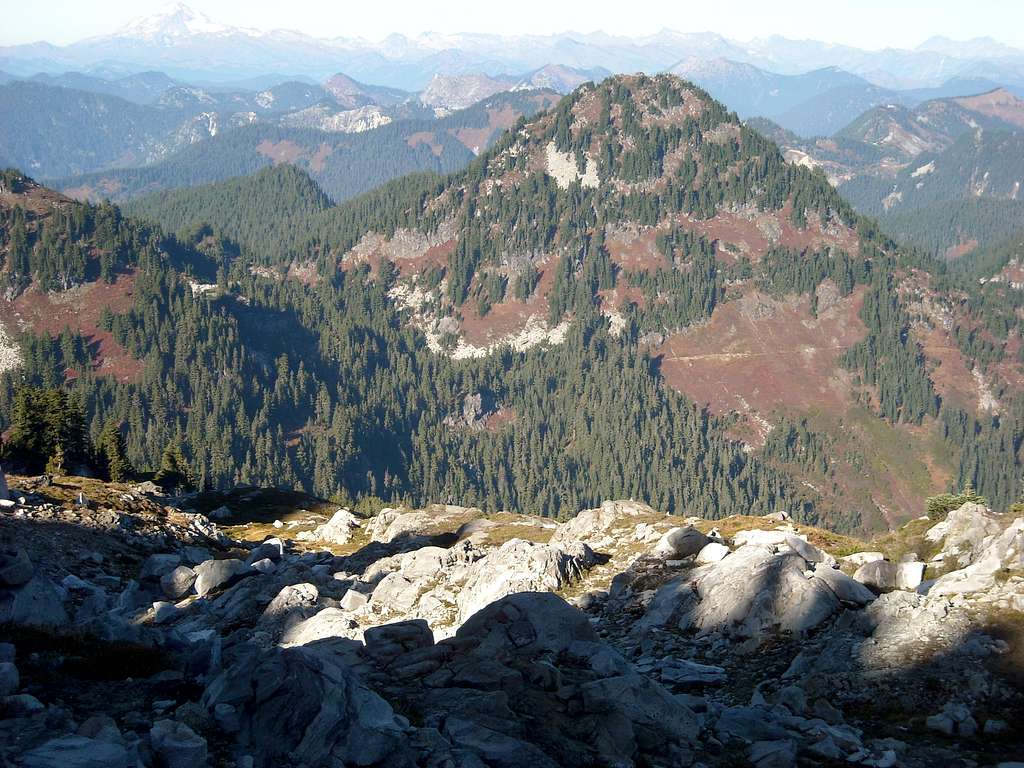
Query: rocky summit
{"type": "Point", "coordinates": [139, 632]}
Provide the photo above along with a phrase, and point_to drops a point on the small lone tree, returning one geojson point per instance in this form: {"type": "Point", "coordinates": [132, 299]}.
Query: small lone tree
{"type": "Point", "coordinates": [55, 465]}
{"type": "Point", "coordinates": [113, 453]}
{"type": "Point", "coordinates": [174, 471]}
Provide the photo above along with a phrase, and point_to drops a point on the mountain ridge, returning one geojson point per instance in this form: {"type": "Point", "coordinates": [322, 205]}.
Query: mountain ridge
{"type": "Point", "coordinates": [408, 63]}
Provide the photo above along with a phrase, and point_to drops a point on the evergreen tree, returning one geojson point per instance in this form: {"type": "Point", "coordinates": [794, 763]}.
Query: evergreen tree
{"type": "Point", "coordinates": [174, 471]}
{"type": "Point", "coordinates": [113, 453]}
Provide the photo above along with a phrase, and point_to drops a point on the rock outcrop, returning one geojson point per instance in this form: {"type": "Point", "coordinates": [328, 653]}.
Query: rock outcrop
{"type": "Point", "coordinates": [621, 637]}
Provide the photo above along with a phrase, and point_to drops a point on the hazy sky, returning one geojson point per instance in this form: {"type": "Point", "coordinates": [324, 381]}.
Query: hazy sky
{"type": "Point", "coordinates": [864, 23]}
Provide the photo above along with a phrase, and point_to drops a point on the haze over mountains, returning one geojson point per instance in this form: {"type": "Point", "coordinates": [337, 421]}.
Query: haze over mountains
{"type": "Point", "coordinates": [187, 44]}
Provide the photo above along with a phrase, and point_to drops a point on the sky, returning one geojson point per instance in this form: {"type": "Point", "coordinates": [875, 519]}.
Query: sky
{"type": "Point", "coordinates": [868, 24]}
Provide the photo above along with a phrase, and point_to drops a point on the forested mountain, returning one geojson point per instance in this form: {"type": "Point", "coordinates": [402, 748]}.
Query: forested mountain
{"type": "Point", "coordinates": [262, 212]}
{"type": "Point", "coordinates": [343, 164]}
{"type": "Point", "coordinates": [954, 200]}
{"type": "Point", "coordinates": [141, 88]}
{"type": "Point", "coordinates": [632, 295]}
{"type": "Point", "coordinates": [928, 172]}
{"type": "Point", "coordinates": [60, 130]}
{"type": "Point", "coordinates": [817, 103]}
{"type": "Point", "coordinates": [55, 131]}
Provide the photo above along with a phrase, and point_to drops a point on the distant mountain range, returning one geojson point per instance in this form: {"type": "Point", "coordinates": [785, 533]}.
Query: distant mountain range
{"type": "Point", "coordinates": [816, 103]}
{"type": "Point", "coordinates": [70, 124]}
{"type": "Point", "coordinates": [344, 164]}
{"type": "Point", "coordinates": [945, 174]}
{"type": "Point", "coordinates": [188, 45]}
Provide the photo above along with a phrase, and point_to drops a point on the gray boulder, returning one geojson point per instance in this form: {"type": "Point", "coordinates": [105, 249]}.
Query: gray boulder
{"type": "Point", "coordinates": [178, 582]}
{"type": "Point", "coordinates": [689, 673]}
{"type": "Point", "coordinates": [327, 624]}
{"type": "Point", "coordinates": [656, 715]}
{"type": "Point", "coordinates": [164, 612]}
{"type": "Point", "coordinates": [76, 752]}
{"type": "Point", "coordinates": [15, 567]}
{"type": "Point", "coordinates": [292, 605]}
{"type": "Point", "coordinates": [301, 706]}
{"type": "Point", "coordinates": [909, 575]}
{"type": "Point", "coordinates": [773, 754]}
{"type": "Point", "coordinates": [353, 600]}
{"type": "Point", "coordinates": [595, 525]}
{"type": "Point", "coordinates": [219, 574]}
{"type": "Point", "coordinates": [529, 622]}
{"type": "Point", "coordinates": [175, 745]}
{"type": "Point", "coordinates": [847, 589]}
{"type": "Point", "coordinates": [808, 551]}
{"type": "Point", "coordinates": [9, 679]}
{"type": "Point", "coordinates": [271, 549]}
{"type": "Point", "coordinates": [155, 566]}
{"type": "Point", "coordinates": [879, 575]}
{"type": "Point", "coordinates": [748, 725]}
{"type": "Point", "coordinates": [963, 532]}
{"type": "Point", "coordinates": [495, 748]}
{"type": "Point", "coordinates": [681, 542]}
{"type": "Point", "coordinates": [522, 566]}
{"type": "Point", "coordinates": [712, 553]}
{"type": "Point", "coordinates": [396, 593]}
{"type": "Point", "coordinates": [37, 603]}
{"type": "Point", "coordinates": [338, 530]}
{"type": "Point", "coordinates": [752, 593]}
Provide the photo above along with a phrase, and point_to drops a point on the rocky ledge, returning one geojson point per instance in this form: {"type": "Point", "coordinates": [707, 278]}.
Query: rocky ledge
{"type": "Point", "coordinates": [138, 632]}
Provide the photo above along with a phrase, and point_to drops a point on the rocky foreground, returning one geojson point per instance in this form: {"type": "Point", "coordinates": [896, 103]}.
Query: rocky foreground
{"type": "Point", "coordinates": [140, 631]}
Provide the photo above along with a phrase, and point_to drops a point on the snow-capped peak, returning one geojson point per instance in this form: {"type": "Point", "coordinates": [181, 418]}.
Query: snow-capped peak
{"type": "Point", "coordinates": [176, 20]}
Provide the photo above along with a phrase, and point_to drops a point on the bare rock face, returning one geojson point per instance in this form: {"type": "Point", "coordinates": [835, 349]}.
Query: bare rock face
{"type": "Point", "coordinates": [681, 542]}
{"type": "Point", "coordinates": [999, 552]}
{"type": "Point", "coordinates": [712, 652]}
{"type": "Point", "coordinates": [337, 530]}
{"type": "Point", "coordinates": [300, 706]}
{"type": "Point", "coordinates": [522, 566]}
{"type": "Point", "coordinates": [530, 645]}
{"type": "Point", "coordinates": [594, 525]}
{"type": "Point", "coordinates": [963, 532]}
{"type": "Point", "coordinates": [753, 592]}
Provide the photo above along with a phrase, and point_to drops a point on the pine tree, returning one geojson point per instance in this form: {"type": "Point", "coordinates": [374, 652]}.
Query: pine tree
{"type": "Point", "coordinates": [55, 465]}
{"type": "Point", "coordinates": [113, 452]}
{"type": "Point", "coordinates": [174, 471]}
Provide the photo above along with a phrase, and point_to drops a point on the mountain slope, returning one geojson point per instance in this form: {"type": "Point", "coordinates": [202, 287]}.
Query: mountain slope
{"type": "Point", "coordinates": [58, 130]}
{"type": "Point", "coordinates": [260, 212]}
{"type": "Point", "coordinates": [343, 164]}
{"type": "Point", "coordinates": [631, 295]}
{"type": "Point", "coordinates": [979, 164]}
{"type": "Point", "coordinates": [647, 238]}
{"type": "Point", "coordinates": [54, 131]}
